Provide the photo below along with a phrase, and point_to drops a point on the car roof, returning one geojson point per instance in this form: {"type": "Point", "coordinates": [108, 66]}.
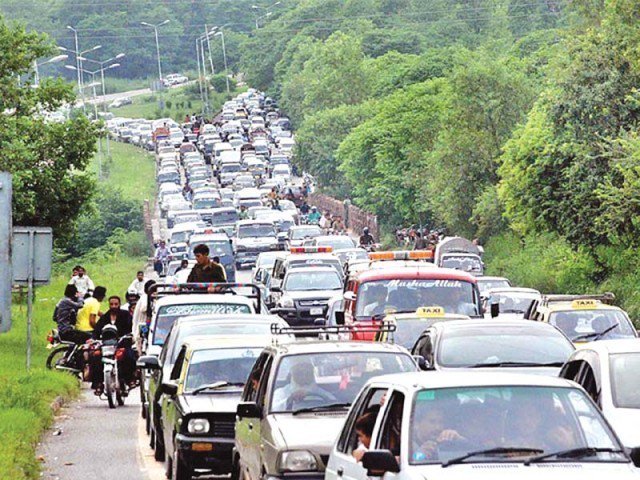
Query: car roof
{"type": "Point", "coordinates": [207, 237]}
{"type": "Point", "coordinates": [231, 318]}
{"type": "Point", "coordinates": [315, 256]}
{"type": "Point", "coordinates": [190, 298]}
{"type": "Point", "coordinates": [452, 379]}
{"type": "Point", "coordinates": [312, 269]}
{"type": "Point", "coordinates": [415, 273]}
{"type": "Point", "coordinates": [488, 325]}
{"type": "Point", "coordinates": [213, 342]}
{"type": "Point", "coordinates": [319, 346]}
{"type": "Point", "coordinates": [319, 238]}
{"type": "Point", "coordinates": [254, 222]}
{"type": "Point", "coordinates": [513, 290]}
{"type": "Point", "coordinates": [486, 278]}
{"type": "Point", "coordinates": [604, 347]}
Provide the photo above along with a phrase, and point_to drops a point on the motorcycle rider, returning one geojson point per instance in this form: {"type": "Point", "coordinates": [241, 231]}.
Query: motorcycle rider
{"type": "Point", "coordinates": [121, 319]}
{"type": "Point", "coordinates": [161, 257]}
{"type": "Point", "coordinates": [314, 216]}
{"type": "Point", "coordinates": [66, 316]}
{"type": "Point", "coordinates": [366, 239]}
{"type": "Point", "coordinates": [304, 208]}
{"type": "Point", "coordinates": [90, 311]}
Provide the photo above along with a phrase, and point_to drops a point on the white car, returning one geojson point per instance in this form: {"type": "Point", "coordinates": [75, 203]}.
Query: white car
{"type": "Point", "coordinates": [476, 425]}
{"type": "Point", "coordinates": [609, 370]}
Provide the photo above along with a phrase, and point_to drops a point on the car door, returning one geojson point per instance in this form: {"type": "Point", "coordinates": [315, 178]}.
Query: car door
{"type": "Point", "coordinates": [167, 401]}
{"type": "Point", "coordinates": [261, 444]}
{"type": "Point", "coordinates": [389, 433]}
{"type": "Point", "coordinates": [342, 463]}
{"type": "Point", "coordinates": [248, 429]}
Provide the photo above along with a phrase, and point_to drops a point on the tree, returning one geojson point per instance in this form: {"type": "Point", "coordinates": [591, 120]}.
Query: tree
{"type": "Point", "coordinates": [47, 159]}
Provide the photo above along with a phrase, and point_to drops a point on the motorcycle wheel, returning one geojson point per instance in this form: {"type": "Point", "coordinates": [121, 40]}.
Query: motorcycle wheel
{"type": "Point", "coordinates": [56, 355]}
{"type": "Point", "coordinates": [109, 385]}
{"type": "Point", "coordinates": [119, 395]}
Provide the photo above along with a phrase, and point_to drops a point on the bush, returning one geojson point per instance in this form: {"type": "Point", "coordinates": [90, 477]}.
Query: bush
{"type": "Point", "coordinates": [219, 83]}
{"type": "Point", "coordinates": [168, 104]}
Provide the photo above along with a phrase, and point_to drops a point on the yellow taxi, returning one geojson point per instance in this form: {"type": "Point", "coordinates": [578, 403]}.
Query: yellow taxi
{"type": "Point", "coordinates": [583, 318]}
{"type": "Point", "coordinates": [409, 326]}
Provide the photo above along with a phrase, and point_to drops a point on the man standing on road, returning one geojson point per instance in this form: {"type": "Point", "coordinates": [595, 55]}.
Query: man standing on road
{"type": "Point", "coordinates": [82, 282]}
{"type": "Point", "coordinates": [138, 284]}
{"type": "Point", "coordinates": [90, 311]}
{"type": "Point", "coordinates": [205, 270]}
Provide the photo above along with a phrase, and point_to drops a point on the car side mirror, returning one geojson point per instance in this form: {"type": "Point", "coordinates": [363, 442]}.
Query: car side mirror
{"type": "Point", "coordinates": [169, 388]}
{"type": "Point", "coordinates": [422, 362]}
{"type": "Point", "coordinates": [495, 310]}
{"type": "Point", "coordinates": [379, 462]}
{"type": "Point", "coordinates": [634, 454]}
{"type": "Point", "coordinates": [248, 410]}
{"type": "Point", "coordinates": [339, 315]}
{"type": "Point", "coordinates": [149, 362]}
{"type": "Point", "coordinates": [349, 296]}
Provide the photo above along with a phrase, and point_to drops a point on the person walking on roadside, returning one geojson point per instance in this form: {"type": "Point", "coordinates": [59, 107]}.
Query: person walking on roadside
{"type": "Point", "coordinates": [66, 316]}
{"type": "Point", "coordinates": [82, 282]}
{"type": "Point", "coordinates": [138, 284]}
{"type": "Point", "coordinates": [205, 270]}
{"type": "Point", "coordinates": [90, 312]}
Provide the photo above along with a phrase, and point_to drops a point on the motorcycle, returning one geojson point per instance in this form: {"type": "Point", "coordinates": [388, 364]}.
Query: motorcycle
{"type": "Point", "coordinates": [113, 350]}
{"type": "Point", "coordinates": [67, 356]}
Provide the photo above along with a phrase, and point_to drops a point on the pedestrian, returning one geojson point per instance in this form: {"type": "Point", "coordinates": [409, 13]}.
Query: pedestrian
{"type": "Point", "coordinates": [90, 312]}
{"type": "Point", "coordinates": [205, 270]}
{"type": "Point", "coordinates": [137, 285]}
{"type": "Point", "coordinates": [419, 243]}
{"type": "Point", "coordinates": [66, 316]}
{"type": "Point", "coordinates": [82, 282]}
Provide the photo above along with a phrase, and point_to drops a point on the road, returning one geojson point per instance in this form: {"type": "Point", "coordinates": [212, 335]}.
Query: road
{"type": "Point", "coordinates": [101, 444]}
{"type": "Point", "coordinates": [131, 93]}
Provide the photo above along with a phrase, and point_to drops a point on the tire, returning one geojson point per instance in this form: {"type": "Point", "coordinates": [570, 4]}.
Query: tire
{"type": "Point", "coordinates": [56, 355]}
{"type": "Point", "coordinates": [158, 446]}
{"type": "Point", "coordinates": [119, 398]}
{"type": "Point", "coordinates": [235, 468]}
{"type": "Point", "coordinates": [108, 391]}
{"type": "Point", "coordinates": [179, 469]}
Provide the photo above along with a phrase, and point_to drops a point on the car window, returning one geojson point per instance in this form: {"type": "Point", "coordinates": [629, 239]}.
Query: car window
{"type": "Point", "coordinates": [391, 430]}
{"type": "Point", "coordinates": [369, 404]}
{"type": "Point", "coordinates": [230, 365]}
{"type": "Point", "coordinates": [177, 367]}
{"type": "Point", "coordinates": [309, 281]}
{"type": "Point", "coordinates": [586, 325]}
{"type": "Point", "coordinates": [250, 393]}
{"type": "Point", "coordinates": [625, 369]}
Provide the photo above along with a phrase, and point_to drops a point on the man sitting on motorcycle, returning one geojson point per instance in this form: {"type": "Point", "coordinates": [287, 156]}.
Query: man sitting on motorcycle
{"type": "Point", "coordinates": [314, 216]}
{"type": "Point", "coordinates": [121, 319]}
{"type": "Point", "coordinates": [161, 257]}
{"type": "Point", "coordinates": [366, 239]}
{"type": "Point", "coordinates": [66, 316]}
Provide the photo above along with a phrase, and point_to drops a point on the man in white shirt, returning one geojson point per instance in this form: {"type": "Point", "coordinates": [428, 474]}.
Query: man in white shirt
{"type": "Point", "coordinates": [138, 284]}
{"type": "Point", "coordinates": [82, 282]}
{"type": "Point", "coordinates": [301, 385]}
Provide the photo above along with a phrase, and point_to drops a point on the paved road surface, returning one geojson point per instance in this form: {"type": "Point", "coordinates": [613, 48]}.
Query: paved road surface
{"type": "Point", "coordinates": [97, 443]}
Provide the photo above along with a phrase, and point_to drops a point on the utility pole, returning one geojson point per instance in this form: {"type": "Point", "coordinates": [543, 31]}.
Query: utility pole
{"type": "Point", "coordinates": [199, 73]}
{"type": "Point", "coordinates": [6, 271]}
{"type": "Point", "coordinates": [224, 55]}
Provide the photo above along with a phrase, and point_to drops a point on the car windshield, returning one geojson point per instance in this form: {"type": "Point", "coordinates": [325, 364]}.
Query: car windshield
{"type": "Point", "coordinates": [467, 264]}
{"type": "Point", "coordinates": [230, 168]}
{"type": "Point", "coordinates": [318, 379]}
{"type": "Point", "coordinates": [479, 345]}
{"type": "Point", "coordinates": [352, 255]}
{"type": "Point", "coordinates": [454, 296]}
{"type": "Point", "coordinates": [221, 248]}
{"type": "Point", "coordinates": [525, 420]}
{"type": "Point", "coordinates": [624, 369]}
{"type": "Point", "coordinates": [186, 218]}
{"type": "Point", "coordinates": [168, 314]}
{"type": "Point", "coordinates": [336, 242]}
{"type": "Point", "coordinates": [206, 203]}
{"type": "Point", "coordinates": [308, 232]}
{"type": "Point", "coordinates": [226, 217]}
{"type": "Point", "coordinates": [180, 237]}
{"type": "Point", "coordinates": [231, 365]}
{"type": "Point", "coordinates": [409, 330]}
{"type": "Point", "coordinates": [307, 281]}
{"type": "Point", "coordinates": [256, 230]}
{"type": "Point", "coordinates": [586, 325]}
{"type": "Point", "coordinates": [513, 302]}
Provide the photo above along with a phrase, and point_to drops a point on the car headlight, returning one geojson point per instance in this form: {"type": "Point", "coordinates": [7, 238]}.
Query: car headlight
{"type": "Point", "coordinates": [286, 302]}
{"type": "Point", "coordinates": [198, 425]}
{"type": "Point", "coordinates": [297, 461]}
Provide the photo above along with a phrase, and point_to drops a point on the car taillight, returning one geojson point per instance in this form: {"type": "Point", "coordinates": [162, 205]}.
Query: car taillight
{"type": "Point", "coordinates": [97, 352]}
{"type": "Point", "coordinates": [120, 354]}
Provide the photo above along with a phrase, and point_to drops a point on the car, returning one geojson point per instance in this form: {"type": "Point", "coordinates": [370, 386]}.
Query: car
{"type": "Point", "coordinates": [608, 371]}
{"type": "Point", "coordinates": [289, 417]}
{"type": "Point", "coordinates": [252, 238]}
{"type": "Point", "coordinates": [410, 326]}
{"type": "Point", "coordinates": [347, 255]}
{"type": "Point", "coordinates": [225, 218]}
{"type": "Point", "coordinates": [299, 233]}
{"type": "Point", "coordinates": [476, 425]}
{"type": "Point", "coordinates": [336, 242]}
{"type": "Point", "coordinates": [511, 302]}
{"type": "Point", "coordinates": [475, 345]}
{"type": "Point", "coordinates": [305, 293]}
{"type": "Point", "coordinates": [583, 318]}
{"type": "Point", "coordinates": [199, 400]}
{"type": "Point", "coordinates": [264, 265]}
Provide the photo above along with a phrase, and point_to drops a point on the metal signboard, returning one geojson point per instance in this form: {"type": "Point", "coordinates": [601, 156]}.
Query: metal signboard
{"type": "Point", "coordinates": [31, 253]}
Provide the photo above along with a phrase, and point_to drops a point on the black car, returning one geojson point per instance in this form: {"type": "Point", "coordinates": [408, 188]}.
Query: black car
{"type": "Point", "coordinates": [199, 401]}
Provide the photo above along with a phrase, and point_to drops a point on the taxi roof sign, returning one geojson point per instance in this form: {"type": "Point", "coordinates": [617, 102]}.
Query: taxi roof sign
{"type": "Point", "coordinates": [426, 312]}
{"type": "Point", "coordinates": [401, 255]}
{"type": "Point", "coordinates": [311, 250]}
{"type": "Point", "coordinates": [584, 304]}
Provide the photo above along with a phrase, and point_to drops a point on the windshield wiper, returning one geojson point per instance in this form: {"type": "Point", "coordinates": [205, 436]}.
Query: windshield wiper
{"type": "Point", "coordinates": [490, 451]}
{"type": "Point", "coordinates": [319, 408]}
{"type": "Point", "coordinates": [576, 453]}
{"type": "Point", "coordinates": [516, 364]}
{"type": "Point", "coordinates": [215, 386]}
{"type": "Point", "coordinates": [596, 335]}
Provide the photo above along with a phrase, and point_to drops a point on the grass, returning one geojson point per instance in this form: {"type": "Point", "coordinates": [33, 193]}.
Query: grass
{"type": "Point", "coordinates": [131, 169]}
{"type": "Point", "coordinates": [25, 397]}
{"type": "Point", "coordinates": [117, 85]}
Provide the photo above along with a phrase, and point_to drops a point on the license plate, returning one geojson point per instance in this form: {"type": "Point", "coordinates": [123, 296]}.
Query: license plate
{"type": "Point", "coordinates": [315, 311]}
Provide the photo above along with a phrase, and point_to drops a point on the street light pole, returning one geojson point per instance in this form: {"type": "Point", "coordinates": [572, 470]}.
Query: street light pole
{"type": "Point", "coordinates": [204, 77]}
{"type": "Point", "coordinates": [55, 59]}
{"type": "Point", "coordinates": [224, 56]}
{"type": "Point", "coordinates": [77, 52]}
{"type": "Point", "coordinates": [199, 74]}
{"type": "Point", "coordinates": [208, 34]}
{"type": "Point", "coordinates": [155, 29]}
{"type": "Point", "coordinates": [258, 7]}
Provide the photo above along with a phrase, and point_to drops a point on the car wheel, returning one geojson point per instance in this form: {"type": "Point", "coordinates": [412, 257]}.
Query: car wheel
{"type": "Point", "coordinates": [158, 446]}
{"type": "Point", "coordinates": [235, 468]}
{"type": "Point", "coordinates": [180, 470]}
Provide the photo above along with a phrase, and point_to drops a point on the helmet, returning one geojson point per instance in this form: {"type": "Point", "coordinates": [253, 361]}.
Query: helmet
{"type": "Point", "coordinates": [109, 332]}
{"type": "Point", "coordinates": [366, 230]}
{"type": "Point", "coordinates": [313, 208]}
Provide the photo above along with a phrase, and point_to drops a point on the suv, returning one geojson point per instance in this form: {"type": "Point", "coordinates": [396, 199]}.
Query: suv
{"type": "Point", "coordinates": [583, 318]}
{"type": "Point", "coordinates": [296, 402]}
{"type": "Point", "coordinates": [252, 238]}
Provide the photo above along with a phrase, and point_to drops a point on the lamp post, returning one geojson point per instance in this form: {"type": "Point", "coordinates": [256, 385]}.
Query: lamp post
{"type": "Point", "coordinates": [199, 73]}
{"type": "Point", "coordinates": [55, 59]}
{"type": "Point", "coordinates": [258, 7]}
{"type": "Point", "coordinates": [224, 56]}
{"type": "Point", "coordinates": [77, 52]}
{"type": "Point", "coordinates": [155, 29]}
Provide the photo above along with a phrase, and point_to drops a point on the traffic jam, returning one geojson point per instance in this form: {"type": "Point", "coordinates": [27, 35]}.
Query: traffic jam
{"type": "Point", "coordinates": [318, 357]}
